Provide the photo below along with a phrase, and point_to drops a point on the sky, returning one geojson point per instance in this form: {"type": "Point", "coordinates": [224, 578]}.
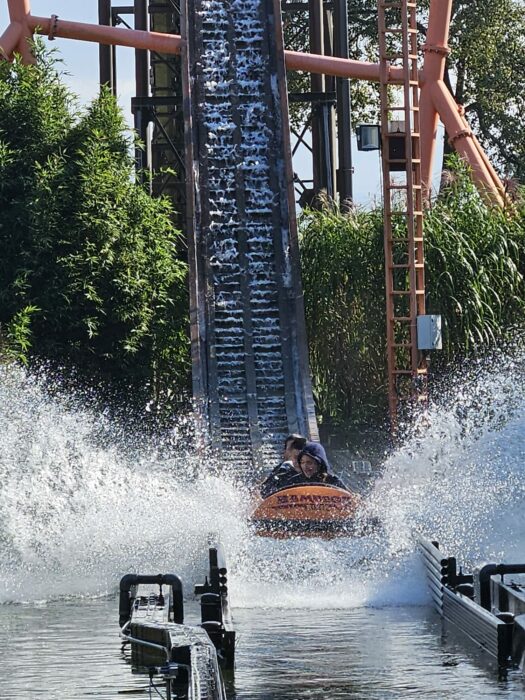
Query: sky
{"type": "Point", "coordinates": [81, 64]}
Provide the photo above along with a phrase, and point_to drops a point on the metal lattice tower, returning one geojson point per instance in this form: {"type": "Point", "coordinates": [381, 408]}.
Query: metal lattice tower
{"type": "Point", "coordinates": [403, 204]}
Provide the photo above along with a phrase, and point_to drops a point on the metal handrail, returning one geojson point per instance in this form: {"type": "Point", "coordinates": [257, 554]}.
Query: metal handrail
{"type": "Point", "coordinates": [143, 642]}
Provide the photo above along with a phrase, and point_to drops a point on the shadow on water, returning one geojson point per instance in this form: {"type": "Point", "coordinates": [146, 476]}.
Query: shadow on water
{"type": "Point", "coordinates": [344, 618]}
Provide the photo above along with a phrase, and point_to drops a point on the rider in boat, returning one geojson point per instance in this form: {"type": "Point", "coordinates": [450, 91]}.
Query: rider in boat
{"type": "Point", "coordinates": [314, 468]}
{"type": "Point", "coordinates": [287, 469]}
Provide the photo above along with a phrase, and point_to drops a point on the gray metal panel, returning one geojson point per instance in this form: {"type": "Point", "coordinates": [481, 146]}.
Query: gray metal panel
{"type": "Point", "coordinates": [481, 626]}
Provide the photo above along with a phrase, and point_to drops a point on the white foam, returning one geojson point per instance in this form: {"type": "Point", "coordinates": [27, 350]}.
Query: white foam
{"type": "Point", "coordinates": [79, 507]}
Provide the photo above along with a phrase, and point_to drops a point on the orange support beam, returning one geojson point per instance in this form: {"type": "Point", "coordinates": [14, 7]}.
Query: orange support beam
{"type": "Point", "coordinates": [10, 39]}
{"type": "Point", "coordinates": [435, 99]}
{"type": "Point", "coordinates": [463, 139]}
{"type": "Point", "coordinates": [494, 175]}
{"type": "Point", "coordinates": [118, 36]}
{"type": "Point", "coordinates": [19, 12]}
{"type": "Point", "coordinates": [339, 67]}
{"type": "Point", "coordinates": [436, 51]}
{"type": "Point", "coordinates": [172, 43]}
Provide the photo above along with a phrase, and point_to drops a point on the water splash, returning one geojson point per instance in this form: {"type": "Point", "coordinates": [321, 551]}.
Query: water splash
{"type": "Point", "coordinates": [78, 509]}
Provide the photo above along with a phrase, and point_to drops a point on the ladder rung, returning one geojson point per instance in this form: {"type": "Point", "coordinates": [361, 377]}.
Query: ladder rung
{"type": "Point", "coordinates": [397, 4]}
{"type": "Point", "coordinates": [409, 371]}
{"type": "Point", "coordinates": [403, 319]}
{"type": "Point", "coordinates": [403, 240]}
{"type": "Point", "coordinates": [398, 55]}
{"type": "Point", "coordinates": [404, 160]}
{"type": "Point", "coordinates": [402, 187]}
{"type": "Point", "coordinates": [399, 30]}
{"type": "Point", "coordinates": [401, 345]}
{"type": "Point", "coordinates": [419, 239]}
{"type": "Point", "coordinates": [406, 266]}
{"type": "Point", "coordinates": [400, 108]}
{"type": "Point", "coordinates": [404, 292]}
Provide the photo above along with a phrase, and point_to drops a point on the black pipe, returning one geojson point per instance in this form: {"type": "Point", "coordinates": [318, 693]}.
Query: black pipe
{"type": "Point", "coordinates": [344, 106]}
{"type": "Point", "coordinates": [484, 575]}
{"type": "Point", "coordinates": [105, 51]}
{"type": "Point", "coordinates": [142, 114]}
{"type": "Point", "coordinates": [128, 581]}
{"type": "Point", "coordinates": [141, 55]}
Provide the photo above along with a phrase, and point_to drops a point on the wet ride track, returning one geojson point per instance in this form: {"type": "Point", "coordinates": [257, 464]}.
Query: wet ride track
{"type": "Point", "coordinates": [250, 367]}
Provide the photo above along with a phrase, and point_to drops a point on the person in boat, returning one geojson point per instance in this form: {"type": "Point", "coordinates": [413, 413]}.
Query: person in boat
{"type": "Point", "coordinates": [287, 469]}
{"type": "Point", "coordinates": [314, 468]}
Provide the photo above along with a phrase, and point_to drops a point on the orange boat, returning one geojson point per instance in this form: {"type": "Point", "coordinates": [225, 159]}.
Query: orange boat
{"type": "Point", "coordinates": [307, 510]}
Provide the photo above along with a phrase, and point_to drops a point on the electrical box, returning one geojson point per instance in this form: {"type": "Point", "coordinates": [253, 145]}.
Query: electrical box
{"type": "Point", "coordinates": [397, 151]}
{"type": "Point", "coordinates": [397, 145]}
{"type": "Point", "coordinates": [429, 332]}
{"type": "Point", "coordinates": [368, 137]}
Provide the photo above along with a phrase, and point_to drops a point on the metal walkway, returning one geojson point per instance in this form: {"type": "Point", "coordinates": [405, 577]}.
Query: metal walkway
{"type": "Point", "coordinates": [250, 367]}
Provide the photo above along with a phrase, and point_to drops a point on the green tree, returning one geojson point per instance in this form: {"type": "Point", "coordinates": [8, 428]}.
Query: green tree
{"type": "Point", "coordinates": [486, 73]}
{"type": "Point", "coordinates": [84, 247]}
{"type": "Point", "coordinates": [343, 281]}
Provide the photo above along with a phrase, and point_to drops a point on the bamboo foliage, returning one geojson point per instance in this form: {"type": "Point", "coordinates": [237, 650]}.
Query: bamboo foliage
{"type": "Point", "coordinates": [342, 270]}
{"type": "Point", "coordinates": [475, 263]}
{"type": "Point", "coordinates": [89, 274]}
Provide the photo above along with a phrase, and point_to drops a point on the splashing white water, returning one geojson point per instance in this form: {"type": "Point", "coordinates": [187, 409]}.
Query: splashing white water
{"type": "Point", "coordinates": [78, 510]}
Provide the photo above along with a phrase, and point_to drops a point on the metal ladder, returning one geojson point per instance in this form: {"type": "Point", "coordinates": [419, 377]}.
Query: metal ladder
{"type": "Point", "coordinates": [403, 206]}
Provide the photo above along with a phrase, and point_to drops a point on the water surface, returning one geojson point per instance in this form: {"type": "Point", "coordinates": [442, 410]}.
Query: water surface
{"type": "Point", "coordinates": [80, 506]}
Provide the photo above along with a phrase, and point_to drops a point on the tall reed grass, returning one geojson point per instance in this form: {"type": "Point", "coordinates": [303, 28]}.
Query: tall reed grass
{"type": "Point", "coordinates": [475, 258]}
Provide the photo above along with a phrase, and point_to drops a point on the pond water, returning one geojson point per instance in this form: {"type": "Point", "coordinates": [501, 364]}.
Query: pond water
{"type": "Point", "coordinates": [70, 649]}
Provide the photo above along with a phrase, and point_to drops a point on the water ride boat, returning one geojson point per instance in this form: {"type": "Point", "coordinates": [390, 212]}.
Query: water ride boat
{"type": "Point", "coordinates": [307, 510]}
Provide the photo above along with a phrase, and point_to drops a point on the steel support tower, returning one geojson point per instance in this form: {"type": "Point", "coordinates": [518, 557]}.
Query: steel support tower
{"type": "Point", "coordinates": [327, 131]}
{"type": "Point", "coordinates": [157, 106]}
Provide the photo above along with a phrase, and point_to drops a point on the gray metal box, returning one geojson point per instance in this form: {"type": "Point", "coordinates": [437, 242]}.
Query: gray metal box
{"type": "Point", "coordinates": [429, 332]}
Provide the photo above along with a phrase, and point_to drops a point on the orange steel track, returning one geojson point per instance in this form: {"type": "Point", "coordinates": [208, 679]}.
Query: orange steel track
{"type": "Point", "coordinates": [436, 100]}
